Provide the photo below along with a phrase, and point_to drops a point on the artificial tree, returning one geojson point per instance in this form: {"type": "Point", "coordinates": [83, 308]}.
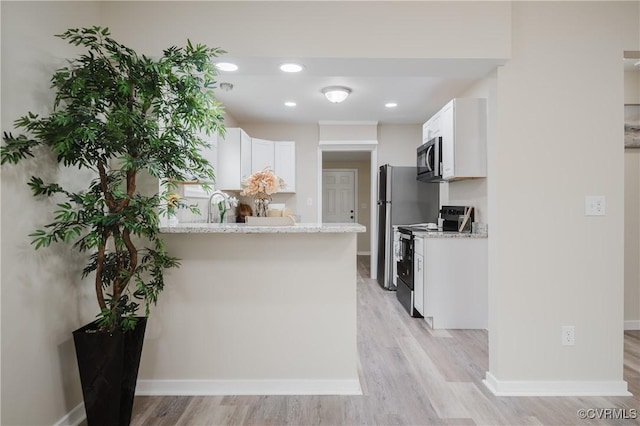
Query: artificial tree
{"type": "Point", "coordinates": [120, 114]}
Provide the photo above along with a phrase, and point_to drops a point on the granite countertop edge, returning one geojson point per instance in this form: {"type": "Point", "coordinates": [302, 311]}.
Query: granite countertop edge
{"type": "Point", "coordinates": [241, 228]}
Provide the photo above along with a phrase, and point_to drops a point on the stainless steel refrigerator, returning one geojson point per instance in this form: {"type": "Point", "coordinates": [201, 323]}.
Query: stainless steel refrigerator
{"type": "Point", "coordinates": [402, 200]}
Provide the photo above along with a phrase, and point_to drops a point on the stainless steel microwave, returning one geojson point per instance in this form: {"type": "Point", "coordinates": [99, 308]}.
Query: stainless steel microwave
{"type": "Point", "coordinates": [430, 160]}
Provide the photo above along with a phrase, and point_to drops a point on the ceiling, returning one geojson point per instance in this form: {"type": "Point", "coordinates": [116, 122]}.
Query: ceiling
{"type": "Point", "coordinates": [420, 87]}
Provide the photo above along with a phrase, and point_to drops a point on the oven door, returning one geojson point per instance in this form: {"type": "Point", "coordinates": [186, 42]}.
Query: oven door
{"type": "Point", "coordinates": [405, 259]}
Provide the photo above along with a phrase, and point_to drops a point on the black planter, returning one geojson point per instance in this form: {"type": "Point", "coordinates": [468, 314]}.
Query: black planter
{"type": "Point", "coordinates": [108, 365]}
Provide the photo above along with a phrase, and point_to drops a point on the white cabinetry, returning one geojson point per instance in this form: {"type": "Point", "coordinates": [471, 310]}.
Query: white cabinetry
{"type": "Point", "coordinates": [431, 128]}
{"type": "Point", "coordinates": [234, 160]}
{"type": "Point", "coordinates": [210, 153]}
{"type": "Point", "coordinates": [463, 129]}
{"type": "Point", "coordinates": [418, 274]}
{"type": "Point", "coordinates": [285, 163]}
{"type": "Point", "coordinates": [455, 283]}
{"type": "Point", "coordinates": [262, 155]}
{"type": "Point", "coordinates": [239, 155]}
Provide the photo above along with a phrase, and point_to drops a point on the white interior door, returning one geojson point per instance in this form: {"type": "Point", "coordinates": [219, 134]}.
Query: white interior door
{"type": "Point", "coordinates": [339, 196]}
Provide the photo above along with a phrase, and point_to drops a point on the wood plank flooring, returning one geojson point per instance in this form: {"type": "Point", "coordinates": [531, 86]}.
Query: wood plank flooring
{"type": "Point", "coordinates": [410, 375]}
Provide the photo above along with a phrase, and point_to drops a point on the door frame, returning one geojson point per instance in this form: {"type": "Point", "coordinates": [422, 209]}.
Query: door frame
{"type": "Point", "coordinates": [355, 190]}
{"type": "Point", "coordinates": [370, 146]}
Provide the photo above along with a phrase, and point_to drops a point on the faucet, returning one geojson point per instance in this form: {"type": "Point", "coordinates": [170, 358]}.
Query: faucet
{"type": "Point", "coordinates": [221, 196]}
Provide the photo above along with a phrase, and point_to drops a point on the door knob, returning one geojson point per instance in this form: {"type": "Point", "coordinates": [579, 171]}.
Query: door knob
{"type": "Point", "coordinates": [351, 217]}
{"type": "Point", "coordinates": [351, 211]}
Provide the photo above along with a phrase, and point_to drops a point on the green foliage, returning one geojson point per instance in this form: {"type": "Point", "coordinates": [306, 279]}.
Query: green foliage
{"type": "Point", "coordinates": [119, 113]}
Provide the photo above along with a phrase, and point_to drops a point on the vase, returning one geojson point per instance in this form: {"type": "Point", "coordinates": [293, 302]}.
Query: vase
{"type": "Point", "coordinates": [262, 205]}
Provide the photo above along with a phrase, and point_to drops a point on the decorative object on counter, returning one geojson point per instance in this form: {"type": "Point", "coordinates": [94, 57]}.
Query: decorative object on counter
{"type": "Point", "coordinates": [118, 113]}
{"type": "Point", "coordinates": [261, 185]}
{"type": "Point", "coordinates": [464, 224]}
{"type": "Point", "coordinates": [244, 210]}
{"type": "Point", "coordinates": [173, 203]}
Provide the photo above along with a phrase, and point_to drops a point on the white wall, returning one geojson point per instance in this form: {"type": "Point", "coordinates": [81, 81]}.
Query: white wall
{"type": "Point", "coordinates": [632, 87]}
{"type": "Point", "coordinates": [632, 237]}
{"type": "Point", "coordinates": [632, 214]}
{"type": "Point", "coordinates": [43, 297]}
{"type": "Point", "coordinates": [559, 99]}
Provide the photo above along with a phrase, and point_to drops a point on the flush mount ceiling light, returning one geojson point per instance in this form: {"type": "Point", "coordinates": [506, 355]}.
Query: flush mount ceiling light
{"type": "Point", "coordinates": [291, 67]}
{"type": "Point", "coordinates": [391, 104]}
{"type": "Point", "coordinates": [336, 94]}
{"type": "Point", "coordinates": [290, 104]}
{"type": "Point", "coordinates": [226, 66]}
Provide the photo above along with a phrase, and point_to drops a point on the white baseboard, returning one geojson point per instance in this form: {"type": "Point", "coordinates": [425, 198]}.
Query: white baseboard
{"type": "Point", "coordinates": [555, 388]}
{"type": "Point", "coordinates": [632, 325]}
{"type": "Point", "coordinates": [73, 417]}
{"type": "Point", "coordinates": [364, 253]}
{"type": "Point", "coordinates": [248, 387]}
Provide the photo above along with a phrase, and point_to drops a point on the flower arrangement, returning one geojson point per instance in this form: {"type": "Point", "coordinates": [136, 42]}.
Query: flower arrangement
{"type": "Point", "coordinates": [173, 202]}
{"type": "Point", "coordinates": [262, 184]}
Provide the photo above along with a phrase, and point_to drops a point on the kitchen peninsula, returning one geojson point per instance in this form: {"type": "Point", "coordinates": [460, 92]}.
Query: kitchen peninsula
{"type": "Point", "coordinates": [255, 310]}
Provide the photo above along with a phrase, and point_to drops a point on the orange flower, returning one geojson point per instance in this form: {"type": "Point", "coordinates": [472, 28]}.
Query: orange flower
{"type": "Point", "coordinates": [262, 182]}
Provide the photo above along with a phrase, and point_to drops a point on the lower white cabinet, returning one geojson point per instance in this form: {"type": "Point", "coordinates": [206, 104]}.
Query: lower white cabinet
{"type": "Point", "coordinates": [455, 283]}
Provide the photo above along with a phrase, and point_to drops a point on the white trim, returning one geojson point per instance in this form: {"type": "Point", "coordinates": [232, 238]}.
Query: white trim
{"type": "Point", "coordinates": [73, 417]}
{"type": "Point", "coordinates": [364, 253]}
{"type": "Point", "coordinates": [349, 145]}
{"type": "Point", "coordinates": [555, 388]}
{"type": "Point", "coordinates": [248, 387]}
{"type": "Point", "coordinates": [632, 325]}
{"type": "Point", "coordinates": [346, 123]}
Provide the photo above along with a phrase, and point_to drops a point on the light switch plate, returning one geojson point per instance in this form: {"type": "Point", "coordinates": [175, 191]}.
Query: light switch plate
{"type": "Point", "coordinates": [594, 205]}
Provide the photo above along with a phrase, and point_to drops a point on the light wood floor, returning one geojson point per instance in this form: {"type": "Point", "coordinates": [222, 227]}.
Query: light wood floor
{"type": "Point", "coordinates": [410, 375]}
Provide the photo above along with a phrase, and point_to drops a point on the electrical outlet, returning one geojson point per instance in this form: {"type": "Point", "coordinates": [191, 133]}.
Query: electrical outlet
{"type": "Point", "coordinates": [568, 335]}
{"type": "Point", "coordinates": [594, 205]}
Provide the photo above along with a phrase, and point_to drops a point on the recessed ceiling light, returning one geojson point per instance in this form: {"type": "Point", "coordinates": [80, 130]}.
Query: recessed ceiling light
{"type": "Point", "coordinates": [290, 104]}
{"type": "Point", "coordinates": [226, 66]}
{"type": "Point", "coordinates": [291, 67]}
{"type": "Point", "coordinates": [391, 105]}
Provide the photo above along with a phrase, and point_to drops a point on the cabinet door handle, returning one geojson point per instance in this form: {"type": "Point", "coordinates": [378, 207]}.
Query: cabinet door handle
{"type": "Point", "coordinates": [419, 265]}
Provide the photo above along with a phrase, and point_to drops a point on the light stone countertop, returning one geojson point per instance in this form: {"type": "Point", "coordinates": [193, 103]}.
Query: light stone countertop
{"type": "Point", "coordinates": [242, 228]}
{"type": "Point", "coordinates": [440, 234]}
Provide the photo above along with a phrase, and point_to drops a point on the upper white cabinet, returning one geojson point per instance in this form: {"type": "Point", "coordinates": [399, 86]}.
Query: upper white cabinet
{"type": "Point", "coordinates": [210, 153]}
{"type": "Point", "coordinates": [239, 155]}
{"type": "Point", "coordinates": [431, 128]}
{"type": "Point", "coordinates": [285, 163]}
{"type": "Point", "coordinates": [463, 127]}
{"type": "Point", "coordinates": [262, 155]}
{"type": "Point", "coordinates": [234, 159]}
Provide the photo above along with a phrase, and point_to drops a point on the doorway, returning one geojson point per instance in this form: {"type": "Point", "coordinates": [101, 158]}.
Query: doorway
{"type": "Point", "coordinates": [339, 195]}
{"type": "Point", "coordinates": [363, 156]}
